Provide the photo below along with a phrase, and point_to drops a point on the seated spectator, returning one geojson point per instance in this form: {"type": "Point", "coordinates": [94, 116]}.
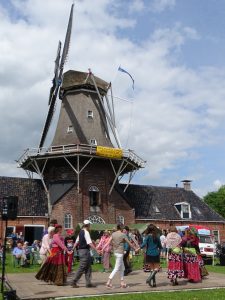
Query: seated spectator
{"type": "Point", "coordinates": [36, 245]}
{"type": "Point", "coordinates": [26, 254]}
{"type": "Point", "coordinates": [18, 254]}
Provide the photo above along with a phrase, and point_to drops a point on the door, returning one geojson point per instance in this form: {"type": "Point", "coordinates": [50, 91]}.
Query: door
{"type": "Point", "coordinates": [32, 233]}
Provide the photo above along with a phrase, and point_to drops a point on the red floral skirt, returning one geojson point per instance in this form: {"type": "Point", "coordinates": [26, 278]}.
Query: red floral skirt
{"type": "Point", "coordinates": [175, 266]}
{"type": "Point", "coordinates": [192, 267]}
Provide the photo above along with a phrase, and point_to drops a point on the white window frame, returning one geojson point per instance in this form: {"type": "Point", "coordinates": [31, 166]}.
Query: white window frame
{"type": "Point", "coordinates": [95, 219]}
{"type": "Point", "coordinates": [218, 235]}
{"type": "Point", "coordinates": [90, 114]}
{"type": "Point", "coordinates": [120, 219]}
{"type": "Point", "coordinates": [34, 225]}
{"type": "Point", "coordinates": [182, 204]}
{"type": "Point", "coordinates": [70, 129]}
{"type": "Point", "coordinates": [68, 223]}
{"type": "Point", "coordinates": [93, 142]}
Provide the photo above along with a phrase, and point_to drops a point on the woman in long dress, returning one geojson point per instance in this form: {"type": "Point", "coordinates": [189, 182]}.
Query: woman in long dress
{"type": "Point", "coordinates": [175, 262]}
{"type": "Point", "coordinates": [191, 260]}
{"type": "Point", "coordinates": [107, 251]}
{"type": "Point", "coordinates": [54, 268]}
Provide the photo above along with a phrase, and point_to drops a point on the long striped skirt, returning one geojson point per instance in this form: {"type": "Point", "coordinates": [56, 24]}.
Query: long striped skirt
{"type": "Point", "coordinates": [54, 268]}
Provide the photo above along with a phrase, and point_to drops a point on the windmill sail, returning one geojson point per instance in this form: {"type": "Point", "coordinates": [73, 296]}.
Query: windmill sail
{"type": "Point", "coordinates": [58, 78]}
{"type": "Point", "coordinates": [66, 43]}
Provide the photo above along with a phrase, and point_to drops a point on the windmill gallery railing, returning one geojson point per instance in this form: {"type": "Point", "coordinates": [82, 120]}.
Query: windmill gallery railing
{"type": "Point", "coordinates": [75, 149]}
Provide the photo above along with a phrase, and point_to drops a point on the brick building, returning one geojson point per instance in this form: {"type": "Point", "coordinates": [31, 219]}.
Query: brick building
{"type": "Point", "coordinates": [162, 206]}
{"type": "Point", "coordinates": [173, 206]}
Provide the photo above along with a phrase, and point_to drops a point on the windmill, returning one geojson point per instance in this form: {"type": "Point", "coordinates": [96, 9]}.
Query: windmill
{"type": "Point", "coordinates": [82, 167]}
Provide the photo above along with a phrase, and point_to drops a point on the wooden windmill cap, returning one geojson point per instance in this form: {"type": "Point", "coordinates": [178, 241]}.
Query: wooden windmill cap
{"type": "Point", "coordinates": [73, 79]}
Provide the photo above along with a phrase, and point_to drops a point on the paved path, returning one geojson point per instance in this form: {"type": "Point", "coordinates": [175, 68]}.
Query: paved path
{"type": "Point", "coordinates": [27, 287]}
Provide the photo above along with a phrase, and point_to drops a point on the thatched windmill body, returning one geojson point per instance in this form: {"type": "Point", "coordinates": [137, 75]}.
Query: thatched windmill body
{"type": "Point", "coordinates": [81, 168]}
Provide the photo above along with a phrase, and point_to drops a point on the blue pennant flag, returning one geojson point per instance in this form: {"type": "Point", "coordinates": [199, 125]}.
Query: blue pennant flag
{"type": "Point", "coordinates": [124, 71]}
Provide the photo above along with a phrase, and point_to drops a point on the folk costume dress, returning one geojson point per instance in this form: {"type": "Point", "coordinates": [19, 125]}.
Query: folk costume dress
{"type": "Point", "coordinates": [191, 259]}
{"type": "Point", "coordinates": [54, 268]}
{"type": "Point", "coordinates": [69, 243]}
{"type": "Point", "coordinates": [175, 261]}
{"type": "Point", "coordinates": [106, 253]}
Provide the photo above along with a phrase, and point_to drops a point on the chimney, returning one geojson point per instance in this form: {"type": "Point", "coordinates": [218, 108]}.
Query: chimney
{"type": "Point", "coordinates": [187, 184]}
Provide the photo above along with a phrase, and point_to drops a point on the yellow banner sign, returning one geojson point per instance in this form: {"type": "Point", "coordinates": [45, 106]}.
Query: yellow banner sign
{"type": "Point", "coordinates": [109, 152]}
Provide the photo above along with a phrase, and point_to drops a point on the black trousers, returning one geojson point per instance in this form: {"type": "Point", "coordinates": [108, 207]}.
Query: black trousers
{"type": "Point", "coordinates": [126, 262]}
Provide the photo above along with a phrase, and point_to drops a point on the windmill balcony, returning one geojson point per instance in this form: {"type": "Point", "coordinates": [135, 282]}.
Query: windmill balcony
{"type": "Point", "coordinates": [72, 150]}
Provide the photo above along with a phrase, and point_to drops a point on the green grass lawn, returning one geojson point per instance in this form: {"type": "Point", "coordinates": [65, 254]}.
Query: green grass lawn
{"type": "Point", "coordinates": [178, 295]}
{"type": "Point", "coordinates": [136, 263]}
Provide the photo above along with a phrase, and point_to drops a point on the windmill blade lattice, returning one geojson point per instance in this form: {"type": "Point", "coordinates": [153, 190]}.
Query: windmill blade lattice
{"type": "Point", "coordinates": [57, 81]}
{"type": "Point", "coordinates": [56, 76]}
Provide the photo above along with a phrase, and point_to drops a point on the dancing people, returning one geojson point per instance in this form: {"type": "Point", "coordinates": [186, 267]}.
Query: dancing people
{"type": "Point", "coordinates": [175, 262]}
{"type": "Point", "coordinates": [85, 243]}
{"type": "Point", "coordinates": [126, 253]}
{"type": "Point", "coordinates": [191, 260]}
{"type": "Point", "coordinates": [153, 248]}
{"type": "Point", "coordinates": [45, 244]}
{"type": "Point", "coordinates": [107, 250]}
{"type": "Point", "coordinates": [118, 238]}
{"type": "Point", "coordinates": [69, 243]}
{"type": "Point", "coordinates": [54, 268]}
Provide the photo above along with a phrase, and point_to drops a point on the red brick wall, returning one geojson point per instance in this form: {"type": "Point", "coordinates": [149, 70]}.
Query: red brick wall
{"type": "Point", "coordinates": [20, 222]}
{"type": "Point", "coordinates": [100, 174]}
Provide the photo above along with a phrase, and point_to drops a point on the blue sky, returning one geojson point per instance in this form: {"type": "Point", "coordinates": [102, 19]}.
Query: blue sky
{"type": "Point", "coordinates": [175, 50]}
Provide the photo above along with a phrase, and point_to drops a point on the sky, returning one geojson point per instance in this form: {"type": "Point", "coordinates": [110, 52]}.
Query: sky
{"type": "Point", "coordinates": [175, 51]}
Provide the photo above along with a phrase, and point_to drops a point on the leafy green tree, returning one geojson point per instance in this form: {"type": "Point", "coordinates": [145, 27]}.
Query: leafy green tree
{"type": "Point", "coordinates": [216, 200]}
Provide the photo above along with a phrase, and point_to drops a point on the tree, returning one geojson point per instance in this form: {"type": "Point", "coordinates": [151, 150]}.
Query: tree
{"type": "Point", "coordinates": [216, 200]}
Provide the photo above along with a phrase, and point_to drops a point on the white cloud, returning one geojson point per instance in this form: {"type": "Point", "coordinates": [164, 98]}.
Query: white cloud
{"type": "Point", "coordinates": [161, 5]}
{"type": "Point", "coordinates": [217, 184]}
{"type": "Point", "coordinates": [136, 6]}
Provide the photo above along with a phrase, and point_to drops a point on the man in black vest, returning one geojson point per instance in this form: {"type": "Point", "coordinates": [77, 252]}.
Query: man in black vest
{"type": "Point", "coordinates": [84, 243]}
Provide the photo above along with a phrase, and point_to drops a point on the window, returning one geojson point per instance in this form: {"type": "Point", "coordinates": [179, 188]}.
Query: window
{"type": "Point", "coordinates": [68, 224]}
{"type": "Point", "coordinates": [93, 142]}
{"type": "Point", "coordinates": [205, 239]}
{"type": "Point", "coordinates": [120, 220]}
{"type": "Point", "coordinates": [96, 219]}
{"type": "Point", "coordinates": [70, 129]}
{"type": "Point", "coordinates": [216, 236]}
{"type": "Point", "coordinates": [10, 230]}
{"type": "Point", "coordinates": [90, 114]}
{"type": "Point", "coordinates": [94, 196]}
{"type": "Point", "coordinates": [184, 210]}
